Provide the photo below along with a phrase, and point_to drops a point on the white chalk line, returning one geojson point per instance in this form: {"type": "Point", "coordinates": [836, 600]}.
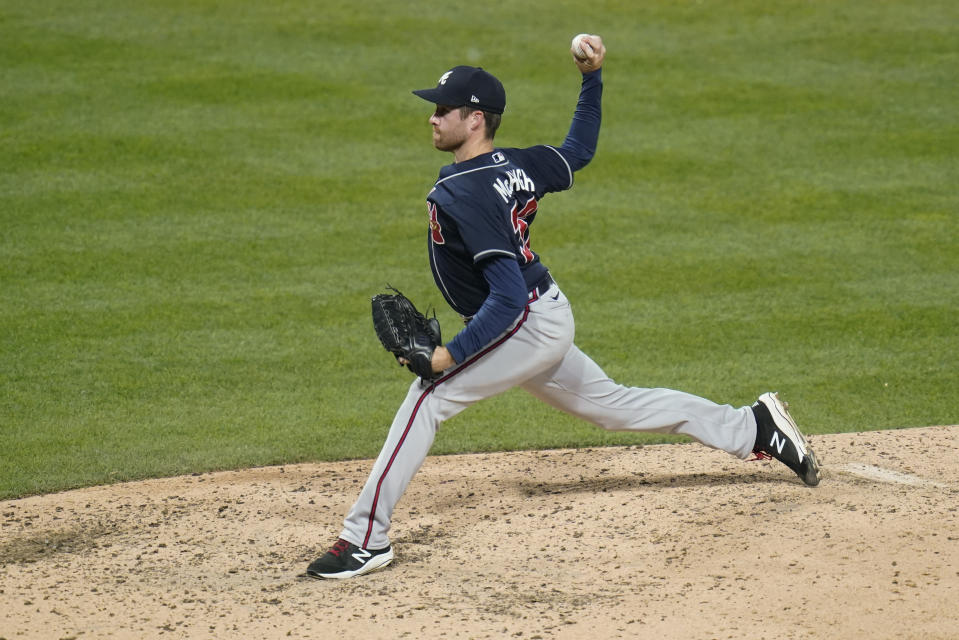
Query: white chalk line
{"type": "Point", "coordinates": [871, 472]}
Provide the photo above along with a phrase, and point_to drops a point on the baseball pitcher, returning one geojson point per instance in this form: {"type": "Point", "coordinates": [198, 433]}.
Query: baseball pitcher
{"type": "Point", "coordinates": [519, 325]}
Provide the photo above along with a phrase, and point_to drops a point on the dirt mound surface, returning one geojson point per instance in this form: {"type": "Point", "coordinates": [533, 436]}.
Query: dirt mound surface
{"type": "Point", "coordinates": [666, 541]}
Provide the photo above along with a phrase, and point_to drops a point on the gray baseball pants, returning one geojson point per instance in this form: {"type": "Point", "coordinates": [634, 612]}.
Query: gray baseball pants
{"type": "Point", "coordinates": [537, 353]}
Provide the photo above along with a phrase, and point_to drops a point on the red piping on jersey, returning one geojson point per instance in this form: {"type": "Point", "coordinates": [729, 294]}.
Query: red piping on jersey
{"type": "Point", "coordinates": [409, 423]}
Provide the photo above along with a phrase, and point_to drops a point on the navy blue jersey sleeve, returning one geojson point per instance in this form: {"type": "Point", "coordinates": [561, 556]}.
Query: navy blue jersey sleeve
{"type": "Point", "coordinates": [548, 168]}
{"type": "Point", "coordinates": [506, 300]}
{"type": "Point", "coordinates": [580, 144]}
{"type": "Point", "coordinates": [551, 168]}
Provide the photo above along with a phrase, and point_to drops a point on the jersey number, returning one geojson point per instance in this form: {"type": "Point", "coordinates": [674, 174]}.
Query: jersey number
{"type": "Point", "coordinates": [521, 226]}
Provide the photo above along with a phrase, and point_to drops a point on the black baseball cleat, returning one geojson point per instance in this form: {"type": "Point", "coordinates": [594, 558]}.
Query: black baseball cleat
{"type": "Point", "coordinates": [346, 560]}
{"type": "Point", "coordinates": [777, 436]}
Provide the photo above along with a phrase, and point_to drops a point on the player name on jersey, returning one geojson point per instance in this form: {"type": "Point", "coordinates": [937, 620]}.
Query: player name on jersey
{"type": "Point", "coordinates": [515, 180]}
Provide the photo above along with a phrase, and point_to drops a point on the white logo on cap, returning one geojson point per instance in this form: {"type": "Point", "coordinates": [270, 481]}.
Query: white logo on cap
{"type": "Point", "coordinates": [474, 99]}
{"type": "Point", "coordinates": [446, 76]}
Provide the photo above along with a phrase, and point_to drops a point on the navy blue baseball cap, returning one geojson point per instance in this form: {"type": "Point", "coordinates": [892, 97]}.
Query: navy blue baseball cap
{"type": "Point", "coordinates": [467, 87]}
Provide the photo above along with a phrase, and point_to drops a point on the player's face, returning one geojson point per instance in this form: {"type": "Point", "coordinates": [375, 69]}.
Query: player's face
{"type": "Point", "coordinates": [450, 128]}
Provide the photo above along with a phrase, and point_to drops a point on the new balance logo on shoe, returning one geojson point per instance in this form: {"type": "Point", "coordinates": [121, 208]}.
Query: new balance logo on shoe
{"type": "Point", "coordinates": [361, 555]}
{"type": "Point", "coordinates": [778, 442]}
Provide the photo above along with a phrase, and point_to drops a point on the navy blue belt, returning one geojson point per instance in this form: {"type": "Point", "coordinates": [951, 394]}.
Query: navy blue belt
{"type": "Point", "coordinates": [541, 287]}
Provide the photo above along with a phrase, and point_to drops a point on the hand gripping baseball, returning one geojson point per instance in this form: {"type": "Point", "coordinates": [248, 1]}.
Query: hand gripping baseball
{"type": "Point", "coordinates": [406, 333]}
{"type": "Point", "coordinates": [588, 52]}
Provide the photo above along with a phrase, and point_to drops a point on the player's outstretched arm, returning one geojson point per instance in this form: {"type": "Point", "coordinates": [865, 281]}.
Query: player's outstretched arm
{"type": "Point", "coordinates": [578, 148]}
{"type": "Point", "coordinates": [588, 52]}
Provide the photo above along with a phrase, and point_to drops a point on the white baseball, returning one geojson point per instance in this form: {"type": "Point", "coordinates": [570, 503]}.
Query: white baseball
{"type": "Point", "coordinates": [580, 48]}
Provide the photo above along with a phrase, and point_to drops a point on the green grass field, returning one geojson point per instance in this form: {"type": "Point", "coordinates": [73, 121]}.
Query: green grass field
{"type": "Point", "coordinates": [197, 200]}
